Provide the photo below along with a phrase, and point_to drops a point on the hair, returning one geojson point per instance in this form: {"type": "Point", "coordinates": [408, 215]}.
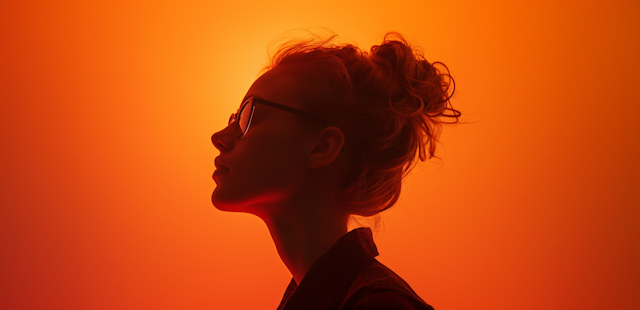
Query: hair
{"type": "Point", "coordinates": [390, 104]}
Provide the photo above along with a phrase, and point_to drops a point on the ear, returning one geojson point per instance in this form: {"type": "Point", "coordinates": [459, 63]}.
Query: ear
{"type": "Point", "coordinates": [327, 147]}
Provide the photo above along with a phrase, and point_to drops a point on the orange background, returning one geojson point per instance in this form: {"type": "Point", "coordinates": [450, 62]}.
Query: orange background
{"type": "Point", "coordinates": [107, 108]}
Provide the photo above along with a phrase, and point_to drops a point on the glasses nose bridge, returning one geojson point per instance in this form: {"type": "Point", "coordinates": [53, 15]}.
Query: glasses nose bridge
{"type": "Point", "coordinates": [232, 118]}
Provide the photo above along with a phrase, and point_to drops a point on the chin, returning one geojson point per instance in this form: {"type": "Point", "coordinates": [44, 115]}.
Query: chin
{"type": "Point", "coordinates": [239, 202]}
{"type": "Point", "coordinates": [220, 203]}
{"type": "Point", "coordinates": [227, 204]}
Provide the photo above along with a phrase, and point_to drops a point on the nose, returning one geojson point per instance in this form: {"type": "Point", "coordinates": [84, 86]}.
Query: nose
{"type": "Point", "coordinates": [223, 140]}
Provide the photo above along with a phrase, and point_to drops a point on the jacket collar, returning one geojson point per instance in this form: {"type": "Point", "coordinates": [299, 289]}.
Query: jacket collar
{"type": "Point", "coordinates": [332, 271]}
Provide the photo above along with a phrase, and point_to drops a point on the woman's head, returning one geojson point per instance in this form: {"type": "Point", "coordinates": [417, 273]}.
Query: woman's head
{"type": "Point", "coordinates": [385, 107]}
{"type": "Point", "coordinates": [282, 154]}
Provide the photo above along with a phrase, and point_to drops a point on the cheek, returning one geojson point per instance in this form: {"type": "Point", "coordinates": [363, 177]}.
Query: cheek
{"type": "Point", "coordinates": [275, 151]}
{"type": "Point", "coordinates": [274, 161]}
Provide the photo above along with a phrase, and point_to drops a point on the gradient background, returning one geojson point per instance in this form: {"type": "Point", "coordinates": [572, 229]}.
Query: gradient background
{"type": "Point", "coordinates": [107, 108]}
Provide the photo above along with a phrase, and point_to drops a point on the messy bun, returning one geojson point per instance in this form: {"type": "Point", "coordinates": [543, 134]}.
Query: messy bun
{"type": "Point", "coordinates": [390, 104]}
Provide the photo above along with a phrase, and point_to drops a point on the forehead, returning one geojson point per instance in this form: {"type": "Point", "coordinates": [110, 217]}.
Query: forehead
{"type": "Point", "coordinates": [293, 85]}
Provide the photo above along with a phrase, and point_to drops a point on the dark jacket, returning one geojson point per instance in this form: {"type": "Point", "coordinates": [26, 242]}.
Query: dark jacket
{"type": "Point", "coordinates": [348, 277]}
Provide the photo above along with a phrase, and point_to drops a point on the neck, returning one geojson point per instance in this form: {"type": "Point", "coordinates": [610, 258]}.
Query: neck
{"type": "Point", "coordinates": [302, 237]}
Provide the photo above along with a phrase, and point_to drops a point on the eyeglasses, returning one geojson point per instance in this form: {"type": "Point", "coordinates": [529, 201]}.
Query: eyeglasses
{"type": "Point", "coordinates": [245, 114]}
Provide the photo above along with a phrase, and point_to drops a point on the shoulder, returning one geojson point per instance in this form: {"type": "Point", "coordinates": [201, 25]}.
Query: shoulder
{"type": "Point", "coordinates": [388, 300]}
{"type": "Point", "coordinates": [378, 277]}
{"type": "Point", "coordinates": [378, 287]}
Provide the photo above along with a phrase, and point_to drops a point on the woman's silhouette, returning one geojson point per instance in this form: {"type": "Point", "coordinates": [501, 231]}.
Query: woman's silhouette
{"type": "Point", "coordinates": [329, 131]}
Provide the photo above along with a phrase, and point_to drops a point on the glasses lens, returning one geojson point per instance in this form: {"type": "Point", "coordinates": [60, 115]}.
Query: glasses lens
{"type": "Point", "coordinates": [243, 117]}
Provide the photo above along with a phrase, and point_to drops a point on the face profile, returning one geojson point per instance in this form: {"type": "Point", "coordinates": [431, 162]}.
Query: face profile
{"type": "Point", "coordinates": [319, 137]}
{"type": "Point", "coordinates": [269, 162]}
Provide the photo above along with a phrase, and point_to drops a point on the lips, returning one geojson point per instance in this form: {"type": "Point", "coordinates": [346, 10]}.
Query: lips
{"type": "Point", "coordinates": [220, 165]}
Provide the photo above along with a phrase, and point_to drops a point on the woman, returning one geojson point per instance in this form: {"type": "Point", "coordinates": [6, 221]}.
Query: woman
{"type": "Point", "coordinates": [325, 133]}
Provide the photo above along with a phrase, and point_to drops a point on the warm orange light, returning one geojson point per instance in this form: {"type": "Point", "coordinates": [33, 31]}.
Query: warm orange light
{"type": "Point", "coordinates": [107, 107]}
